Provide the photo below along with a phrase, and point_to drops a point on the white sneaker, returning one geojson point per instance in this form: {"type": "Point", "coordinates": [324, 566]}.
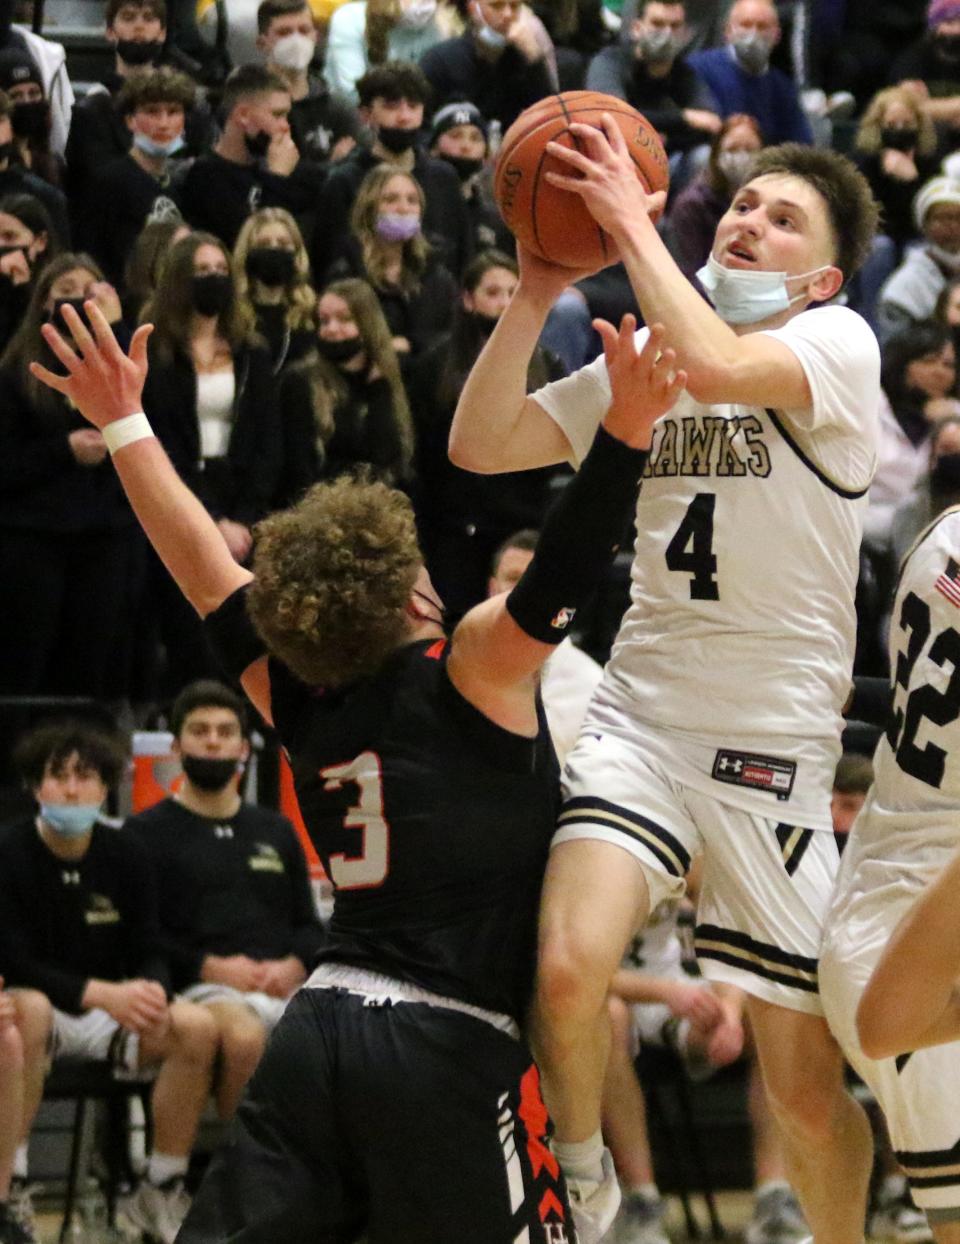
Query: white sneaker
{"type": "Point", "coordinates": [901, 1222]}
{"type": "Point", "coordinates": [154, 1211]}
{"type": "Point", "coordinates": [640, 1221]}
{"type": "Point", "coordinates": [777, 1219]}
{"type": "Point", "coordinates": [594, 1205]}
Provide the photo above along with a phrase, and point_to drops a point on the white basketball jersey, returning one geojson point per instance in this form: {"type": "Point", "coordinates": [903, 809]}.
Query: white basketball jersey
{"type": "Point", "coordinates": [740, 634]}
{"type": "Point", "coordinates": [657, 949]}
{"type": "Point", "coordinates": [910, 823]}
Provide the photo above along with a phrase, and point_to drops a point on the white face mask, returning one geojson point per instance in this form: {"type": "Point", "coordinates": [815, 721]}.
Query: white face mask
{"type": "Point", "coordinates": [418, 13]}
{"type": "Point", "coordinates": [742, 297]}
{"type": "Point", "coordinates": [293, 51]}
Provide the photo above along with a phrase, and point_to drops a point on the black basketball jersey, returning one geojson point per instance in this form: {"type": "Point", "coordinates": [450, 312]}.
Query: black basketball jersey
{"type": "Point", "coordinates": [432, 822]}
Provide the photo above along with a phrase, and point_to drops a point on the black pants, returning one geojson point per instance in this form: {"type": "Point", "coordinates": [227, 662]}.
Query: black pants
{"type": "Point", "coordinates": [401, 1124]}
{"type": "Point", "coordinates": [65, 604]}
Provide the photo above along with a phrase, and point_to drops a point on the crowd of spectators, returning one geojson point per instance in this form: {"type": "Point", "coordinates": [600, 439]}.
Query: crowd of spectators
{"type": "Point", "coordinates": [313, 234]}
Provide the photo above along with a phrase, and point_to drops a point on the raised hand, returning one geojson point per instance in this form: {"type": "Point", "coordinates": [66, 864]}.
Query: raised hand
{"type": "Point", "coordinates": [102, 382]}
{"type": "Point", "coordinates": [604, 175]}
{"type": "Point", "coordinates": [645, 385]}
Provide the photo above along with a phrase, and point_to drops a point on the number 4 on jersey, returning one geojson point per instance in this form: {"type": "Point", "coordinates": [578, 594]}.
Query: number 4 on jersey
{"type": "Point", "coordinates": [691, 549]}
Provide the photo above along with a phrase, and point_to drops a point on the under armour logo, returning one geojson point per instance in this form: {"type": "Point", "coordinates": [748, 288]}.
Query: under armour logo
{"type": "Point", "coordinates": [223, 831]}
{"type": "Point", "coordinates": [735, 765]}
{"type": "Point", "coordinates": [70, 877]}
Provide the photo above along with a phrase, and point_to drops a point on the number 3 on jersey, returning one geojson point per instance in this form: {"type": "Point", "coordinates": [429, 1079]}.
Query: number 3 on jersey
{"type": "Point", "coordinates": [369, 868]}
{"type": "Point", "coordinates": [691, 549]}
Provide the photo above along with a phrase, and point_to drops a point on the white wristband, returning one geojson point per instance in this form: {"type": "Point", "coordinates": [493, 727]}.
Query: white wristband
{"type": "Point", "coordinates": [125, 431]}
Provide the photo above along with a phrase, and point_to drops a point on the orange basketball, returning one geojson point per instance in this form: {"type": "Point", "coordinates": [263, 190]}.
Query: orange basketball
{"type": "Point", "coordinates": [553, 223]}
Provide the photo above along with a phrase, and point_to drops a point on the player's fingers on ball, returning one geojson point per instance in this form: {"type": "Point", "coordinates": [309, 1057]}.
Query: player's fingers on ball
{"type": "Point", "coordinates": [568, 155]}
{"type": "Point", "coordinates": [614, 133]}
{"type": "Point", "coordinates": [657, 201]}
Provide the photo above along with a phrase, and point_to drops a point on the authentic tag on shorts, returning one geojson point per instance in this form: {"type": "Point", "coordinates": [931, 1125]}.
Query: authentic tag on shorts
{"type": "Point", "coordinates": [756, 772]}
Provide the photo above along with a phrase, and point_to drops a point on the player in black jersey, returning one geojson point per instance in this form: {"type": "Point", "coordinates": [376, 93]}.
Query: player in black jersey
{"type": "Point", "coordinates": [396, 1100]}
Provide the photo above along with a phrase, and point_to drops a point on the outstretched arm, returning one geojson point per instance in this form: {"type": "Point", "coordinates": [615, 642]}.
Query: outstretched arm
{"type": "Point", "coordinates": [106, 386]}
{"type": "Point", "coordinates": [912, 1000]}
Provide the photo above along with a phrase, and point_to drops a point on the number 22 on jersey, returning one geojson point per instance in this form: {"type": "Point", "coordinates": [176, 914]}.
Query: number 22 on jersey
{"type": "Point", "coordinates": [369, 867]}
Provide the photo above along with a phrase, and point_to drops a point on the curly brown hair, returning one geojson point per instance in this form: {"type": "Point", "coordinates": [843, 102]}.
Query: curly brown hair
{"type": "Point", "coordinates": [332, 577]}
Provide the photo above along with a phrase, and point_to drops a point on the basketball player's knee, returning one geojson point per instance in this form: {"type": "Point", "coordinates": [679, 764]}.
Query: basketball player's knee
{"type": "Point", "coordinates": [805, 1105]}
{"type": "Point", "coordinates": [11, 1049]}
{"type": "Point", "coordinates": [195, 1032]}
{"type": "Point", "coordinates": [572, 981]}
{"type": "Point", "coordinates": [35, 1019]}
{"type": "Point", "coordinates": [242, 1044]}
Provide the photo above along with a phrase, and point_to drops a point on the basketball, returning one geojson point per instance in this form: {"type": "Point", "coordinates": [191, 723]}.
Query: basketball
{"type": "Point", "coordinates": [553, 223]}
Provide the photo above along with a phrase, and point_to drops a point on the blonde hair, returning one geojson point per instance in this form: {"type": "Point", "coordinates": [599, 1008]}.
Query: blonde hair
{"type": "Point", "coordinates": [868, 135]}
{"type": "Point", "coordinates": [363, 225]}
{"type": "Point", "coordinates": [299, 295]}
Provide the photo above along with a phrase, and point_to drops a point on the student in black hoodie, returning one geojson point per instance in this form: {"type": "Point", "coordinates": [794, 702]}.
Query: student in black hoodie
{"type": "Point", "coordinates": [254, 163]}
{"type": "Point", "coordinates": [345, 407]}
{"type": "Point", "coordinates": [135, 188]}
{"type": "Point", "coordinates": [212, 400]}
{"type": "Point", "coordinates": [67, 535]}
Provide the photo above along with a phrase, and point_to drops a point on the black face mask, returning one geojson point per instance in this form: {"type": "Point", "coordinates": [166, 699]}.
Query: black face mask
{"type": "Point", "coordinates": [55, 317]}
{"type": "Point", "coordinates": [464, 168]}
{"type": "Point", "coordinates": [395, 139]}
{"type": "Point", "coordinates": [257, 144]}
{"type": "Point", "coordinates": [140, 51]}
{"type": "Point", "coordinates": [270, 265]}
{"type": "Point", "coordinates": [898, 138]}
{"type": "Point", "coordinates": [7, 151]}
{"type": "Point", "coordinates": [209, 772]}
{"type": "Point", "coordinates": [945, 472]}
{"type": "Point", "coordinates": [949, 45]}
{"type": "Point", "coordinates": [340, 351]}
{"type": "Point", "coordinates": [31, 120]}
{"type": "Point", "coordinates": [211, 294]}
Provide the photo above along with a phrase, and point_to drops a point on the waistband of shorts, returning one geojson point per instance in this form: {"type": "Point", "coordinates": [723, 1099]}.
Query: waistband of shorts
{"type": "Point", "coordinates": [382, 988]}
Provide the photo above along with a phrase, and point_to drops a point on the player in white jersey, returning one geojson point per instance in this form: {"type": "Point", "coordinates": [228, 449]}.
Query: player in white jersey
{"type": "Point", "coordinates": [908, 831]}
{"type": "Point", "coordinates": [717, 723]}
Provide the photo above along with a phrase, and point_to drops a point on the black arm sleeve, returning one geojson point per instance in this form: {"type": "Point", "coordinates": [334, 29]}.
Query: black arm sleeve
{"type": "Point", "coordinates": [872, 700]}
{"type": "Point", "coordinates": [581, 534]}
{"type": "Point", "coordinates": [231, 635]}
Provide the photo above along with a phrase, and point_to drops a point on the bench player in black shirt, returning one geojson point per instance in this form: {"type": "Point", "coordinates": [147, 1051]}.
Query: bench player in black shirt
{"type": "Point", "coordinates": [396, 1100]}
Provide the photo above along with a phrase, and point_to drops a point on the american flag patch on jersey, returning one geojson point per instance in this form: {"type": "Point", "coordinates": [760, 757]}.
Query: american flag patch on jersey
{"type": "Point", "coordinates": [948, 584]}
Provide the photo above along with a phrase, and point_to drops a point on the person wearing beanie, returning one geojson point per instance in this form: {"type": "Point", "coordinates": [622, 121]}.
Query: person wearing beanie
{"type": "Point", "coordinates": [910, 293]}
{"type": "Point", "coordinates": [21, 79]}
{"type": "Point", "coordinates": [15, 179]}
{"type": "Point", "coordinates": [459, 136]}
{"type": "Point", "coordinates": [931, 67]}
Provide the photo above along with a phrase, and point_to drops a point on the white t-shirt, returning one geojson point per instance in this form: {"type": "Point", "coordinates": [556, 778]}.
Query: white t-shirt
{"type": "Point", "coordinates": [215, 395]}
{"type": "Point", "coordinates": [740, 632]}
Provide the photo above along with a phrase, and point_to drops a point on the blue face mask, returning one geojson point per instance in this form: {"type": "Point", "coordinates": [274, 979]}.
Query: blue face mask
{"type": "Point", "coordinates": [150, 148]}
{"type": "Point", "coordinates": [71, 820]}
{"type": "Point", "coordinates": [743, 297]}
